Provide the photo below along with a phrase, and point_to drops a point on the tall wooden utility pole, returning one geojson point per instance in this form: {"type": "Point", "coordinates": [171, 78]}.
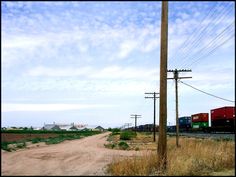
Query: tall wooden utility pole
{"type": "Point", "coordinates": [176, 77]}
{"type": "Point", "coordinates": [162, 141]}
{"type": "Point", "coordinates": [135, 116]}
{"type": "Point", "coordinates": [154, 112]}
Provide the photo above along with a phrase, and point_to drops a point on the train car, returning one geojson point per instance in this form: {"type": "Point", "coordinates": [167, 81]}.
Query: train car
{"type": "Point", "coordinates": [171, 128]}
{"type": "Point", "coordinates": [147, 128]}
{"type": "Point", "coordinates": [185, 123]}
{"type": "Point", "coordinates": [223, 119]}
{"type": "Point", "coordinates": [200, 122]}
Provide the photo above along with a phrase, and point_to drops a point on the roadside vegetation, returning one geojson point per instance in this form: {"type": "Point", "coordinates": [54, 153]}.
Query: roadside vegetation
{"type": "Point", "coordinates": [118, 139]}
{"type": "Point", "coordinates": [194, 157]}
{"type": "Point", "coordinates": [135, 141]}
{"type": "Point", "coordinates": [61, 136]}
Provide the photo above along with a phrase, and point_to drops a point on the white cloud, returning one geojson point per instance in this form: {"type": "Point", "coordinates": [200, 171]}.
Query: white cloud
{"type": "Point", "coordinates": [150, 45]}
{"type": "Point", "coordinates": [220, 77]}
{"type": "Point", "coordinates": [110, 72]}
{"type": "Point", "coordinates": [22, 42]}
{"type": "Point", "coordinates": [129, 87]}
{"type": "Point", "coordinates": [9, 107]}
{"type": "Point", "coordinates": [116, 72]}
{"type": "Point", "coordinates": [57, 72]}
{"type": "Point", "coordinates": [126, 48]}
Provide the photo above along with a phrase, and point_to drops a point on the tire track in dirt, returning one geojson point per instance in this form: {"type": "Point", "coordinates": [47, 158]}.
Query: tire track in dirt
{"type": "Point", "coordinates": [86, 156]}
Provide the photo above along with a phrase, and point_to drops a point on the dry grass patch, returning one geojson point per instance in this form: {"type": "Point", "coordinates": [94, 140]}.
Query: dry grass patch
{"type": "Point", "coordinates": [194, 157]}
{"type": "Point", "coordinates": [143, 141]}
{"type": "Point", "coordinates": [139, 165]}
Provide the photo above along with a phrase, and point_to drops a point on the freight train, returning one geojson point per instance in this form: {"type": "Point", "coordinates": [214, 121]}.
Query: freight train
{"type": "Point", "coordinates": [221, 120]}
{"type": "Point", "coordinates": [144, 128]}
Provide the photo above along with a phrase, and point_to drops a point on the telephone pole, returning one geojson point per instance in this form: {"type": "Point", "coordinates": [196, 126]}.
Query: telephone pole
{"type": "Point", "coordinates": [176, 77]}
{"type": "Point", "coordinates": [127, 125]}
{"type": "Point", "coordinates": [162, 140]}
{"type": "Point", "coordinates": [154, 112]}
{"type": "Point", "coordinates": [135, 116]}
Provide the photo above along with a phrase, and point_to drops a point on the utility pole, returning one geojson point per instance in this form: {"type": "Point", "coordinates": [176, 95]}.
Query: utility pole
{"type": "Point", "coordinates": [162, 140]}
{"type": "Point", "coordinates": [176, 77]}
{"type": "Point", "coordinates": [154, 112]}
{"type": "Point", "coordinates": [135, 116]}
{"type": "Point", "coordinates": [127, 125]}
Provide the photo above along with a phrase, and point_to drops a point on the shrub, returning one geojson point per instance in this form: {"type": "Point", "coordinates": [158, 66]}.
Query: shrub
{"type": "Point", "coordinates": [127, 135]}
{"type": "Point", "coordinates": [36, 140]}
{"type": "Point", "coordinates": [110, 145]}
{"type": "Point", "coordinates": [4, 146]}
{"type": "Point", "coordinates": [54, 140]}
{"type": "Point", "coordinates": [21, 145]}
{"type": "Point", "coordinates": [115, 131]}
{"type": "Point", "coordinates": [123, 145]}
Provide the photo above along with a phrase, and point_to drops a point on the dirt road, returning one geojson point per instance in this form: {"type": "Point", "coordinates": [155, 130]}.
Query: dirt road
{"type": "Point", "coordinates": [86, 156]}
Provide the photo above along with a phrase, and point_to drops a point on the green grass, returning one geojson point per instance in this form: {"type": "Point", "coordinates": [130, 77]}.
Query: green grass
{"type": "Point", "coordinates": [115, 131]}
{"type": "Point", "coordinates": [21, 145]}
{"type": "Point", "coordinates": [123, 145]}
{"type": "Point", "coordinates": [110, 145]}
{"type": "Point", "coordinates": [4, 146]}
{"type": "Point", "coordinates": [127, 135]}
{"type": "Point", "coordinates": [62, 138]}
{"type": "Point", "coordinates": [54, 140]}
{"type": "Point", "coordinates": [36, 140]}
{"type": "Point", "coordinates": [51, 140]}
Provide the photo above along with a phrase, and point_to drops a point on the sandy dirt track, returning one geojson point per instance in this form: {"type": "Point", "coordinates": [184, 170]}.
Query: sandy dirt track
{"type": "Point", "coordinates": [86, 156]}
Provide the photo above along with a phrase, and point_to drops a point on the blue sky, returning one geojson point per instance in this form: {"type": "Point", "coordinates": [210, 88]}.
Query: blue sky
{"type": "Point", "coordinates": [92, 62]}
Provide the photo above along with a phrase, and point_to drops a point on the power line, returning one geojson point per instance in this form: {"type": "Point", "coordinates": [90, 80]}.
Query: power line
{"type": "Point", "coordinates": [207, 93]}
{"type": "Point", "coordinates": [206, 30]}
{"type": "Point", "coordinates": [212, 51]}
{"type": "Point", "coordinates": [213, 44]}
{"type": "Point", "coordinates": [196, 31]}
{"type": "Point", "coordinates": [203, 32]}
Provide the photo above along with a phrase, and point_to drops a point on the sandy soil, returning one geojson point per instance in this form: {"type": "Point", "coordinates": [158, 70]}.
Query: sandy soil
{"type": "Point", "coordinates": [86, 156]}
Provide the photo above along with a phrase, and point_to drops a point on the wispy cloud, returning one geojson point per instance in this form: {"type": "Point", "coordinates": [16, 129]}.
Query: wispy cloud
{"type": "Point", "coordinates": [126, 48]}
{"type": "Point", "coordinates": [58, 72]}
{"type": "Point", "coordinates": [9, 107]}
{"type": "Point", "coordinates": [111, 72]}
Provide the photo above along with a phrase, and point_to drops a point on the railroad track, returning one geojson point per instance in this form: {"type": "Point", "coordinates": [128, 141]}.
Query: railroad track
{"type": "Point", "coordinates": [217, 135]}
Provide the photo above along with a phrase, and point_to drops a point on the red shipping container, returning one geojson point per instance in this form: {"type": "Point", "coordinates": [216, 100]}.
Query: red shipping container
{"type": "Point", "coordinates": [200, 117]}
{"type": "Point", "coordinates": [227, 112]}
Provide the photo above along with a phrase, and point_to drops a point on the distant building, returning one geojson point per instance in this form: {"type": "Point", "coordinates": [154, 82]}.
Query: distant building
{"type": "Point", "coordinates": [37, 128]}
{"type": "Point", "coordinates": [71, 127]}
{"type": "Point", "coordinates": [51, 127]}
{"type": "Point", "coordinates": [85, 129]}
{"type": "Point", "coordinates": [99, 128]}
